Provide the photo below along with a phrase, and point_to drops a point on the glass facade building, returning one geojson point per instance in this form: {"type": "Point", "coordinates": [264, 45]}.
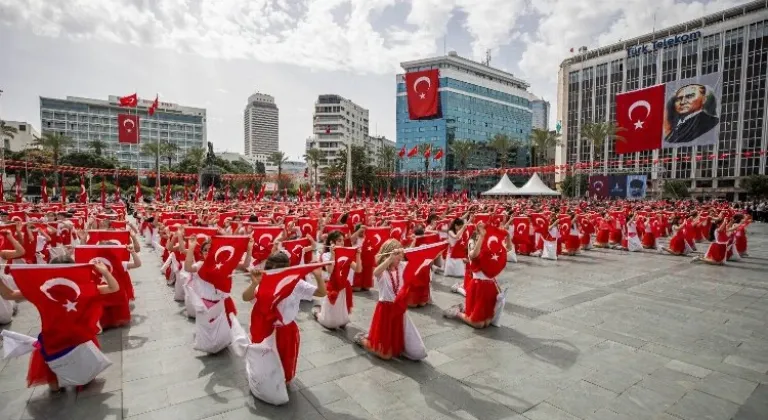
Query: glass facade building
{"type": "Point", "coordinates": [476, 103]}
{"type": "Point", "coordinates": [85, 120]}
{"type": "Point", "coordinates": [733, 44]}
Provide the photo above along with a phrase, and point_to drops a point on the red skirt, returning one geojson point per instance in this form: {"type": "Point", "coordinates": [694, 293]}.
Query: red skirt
{"type": "Point", "coordinates": [480, 303]}
{"type": "Point", "coordinates": [649, 240]}
{"type": "Point", "coordinates": [364, 279]}
{"type": "Point", "coordinates": [677, 244]}
{"type": "Point", "coordinates": [614, 236]}
{"type": "Point", "coordinates": [716, 252]}
{"type": "Point", "coordinates": [418, 295]}
{"type": "Point", "coordinates": [39, 373]}
{"type": "Point", "coordinates": [114, 316]}
{"type": "Point", "coordinates": [287, 339]}
{"type": "Point", "coordinates": [741, 243]}
{"type": "Point", "coordinates": [387, 334]}
{"type": "Point", "coordinates": [585, 239]}
{"type": "Point", "coordinates": [572, 243]}
{"type": "Point", "coordinates": [602, 237]}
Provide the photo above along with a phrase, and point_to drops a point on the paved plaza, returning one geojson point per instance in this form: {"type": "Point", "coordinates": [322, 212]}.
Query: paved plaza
{"type": "Point", "coordinates": [604, 335]}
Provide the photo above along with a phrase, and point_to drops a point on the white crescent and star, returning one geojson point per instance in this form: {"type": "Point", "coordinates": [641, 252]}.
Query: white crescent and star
{"type": "Point", "coordinates": [269, 236]}
{"type": "Point", "coordinates": [60, 281]}
{"type": "Point", "coordinates": [378, 239]}
{"type": "Point", "coordinates": [416, 86]}
{"type": "Point", "coordinates": [229, 248]}
{"type": "Point", "coordinates": [598, 185]}
{"type": "Point", "coordinates": [639, 104]}
{"type": "Point", "coordinates": [103, 261]}
{"type": "Point", "coordinates": [125, 125]}
{"type": "Point", "coordinates": [306, 227]}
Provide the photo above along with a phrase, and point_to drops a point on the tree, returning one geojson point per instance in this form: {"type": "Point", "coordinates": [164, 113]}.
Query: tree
{"type": "Point", "coordinates": [675, 189]}
{"type": "Point", "coordinates": [569, 185]}
{"type": "Point", "coordinates": [541, 142]}
{"type": "Point", "coordinates": [54, 143]}
{"type": "Point", "coordinates": [278, 159]}
{"type": "Point", "coordinates": [152, 149]}
{"type": "Point", "coordinates": [98, 146]}
{"type": "Point", "coordinates": [192, 162]}
{"type": "Point", "coordinates": [598, 132]}
{"type": "Point", "coordinates": [756, 186]}
{"type": "Point", "coordinates": [313, 158]}
{"type": "Point", "coordinates": [462, 150]}
{"type": "Point", "coordinates": [387, 156]}
{"type": "Point", "coordinates": [7, 131]}
{"type": "Point", "coordinates": [363, 173]}
{"type": "Point", "coordinates": [168, 150]}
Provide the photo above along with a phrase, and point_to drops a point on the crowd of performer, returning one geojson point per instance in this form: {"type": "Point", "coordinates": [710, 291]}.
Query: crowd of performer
{"type": "Point", "coordinates": [73, 262]}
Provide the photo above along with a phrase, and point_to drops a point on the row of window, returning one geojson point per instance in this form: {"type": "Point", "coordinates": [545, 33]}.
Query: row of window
{"type": "Point", "coordinates": [64, 113]}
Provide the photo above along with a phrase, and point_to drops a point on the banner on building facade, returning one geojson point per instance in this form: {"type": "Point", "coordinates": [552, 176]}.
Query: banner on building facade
{"type": "Point", "coordinates": [636, 186]}
{"type": "Point", "coordinates": [691, 111]}
{"type": "Point", "coordinates": [422, 96]}
{"type": "Point", "coordinates": [617, 186]}
{"type": "Point", "coordinates": [598, 186]}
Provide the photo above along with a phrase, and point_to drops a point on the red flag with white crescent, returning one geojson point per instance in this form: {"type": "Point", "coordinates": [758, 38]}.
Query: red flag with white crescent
{"type": "Point", "coordinates": [43, 191]}
{"type": "Point", "coordinates": [113, 257]}
{"type": "Point", "coordinates": [263, 241]}
{"type": "Point", "coordinates": [339, 278]}
{"type": "Point", "coordinates": [224, 254]}
{"type": "Point", "coordinates": [417, 270]}
{"type": "Point", "coordinates": [493, 254]}
{"type": "Point", "coordinates": [308, 226]}
{"type": "Point", "coordinates": [111, 237]}
{"type": "Point", "coordinates": [295, 249]}
{"type": "Point", "coordinates": [67, 298]}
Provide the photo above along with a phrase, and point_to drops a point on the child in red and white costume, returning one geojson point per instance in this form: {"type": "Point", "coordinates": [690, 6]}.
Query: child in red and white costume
{"type": "Point", "coordinates": [335, 307]}
{"type": "Point", "coordinates": [392, 333]}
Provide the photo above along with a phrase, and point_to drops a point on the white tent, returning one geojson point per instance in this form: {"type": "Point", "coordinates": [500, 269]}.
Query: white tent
{"type": "Point", "coordinates": [535, 186]}
{"type": "Point", "coordinates": [504, 187]}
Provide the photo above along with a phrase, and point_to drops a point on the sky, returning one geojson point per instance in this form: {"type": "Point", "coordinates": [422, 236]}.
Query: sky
{"type": "Point", "coordinates": [215, 53]}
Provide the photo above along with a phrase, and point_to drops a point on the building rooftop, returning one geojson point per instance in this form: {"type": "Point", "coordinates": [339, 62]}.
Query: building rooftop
{"type": "Point", "coordinates": [453, 58]}
{"type": "Point", "coordinates": [113, 101]}
{"type": "Point", "coordinates": [692, 25]}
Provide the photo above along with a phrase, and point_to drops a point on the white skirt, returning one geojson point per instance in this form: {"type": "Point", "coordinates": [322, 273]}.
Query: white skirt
{"type": "Point", "coordinates": [266, 377]}
{"type": "Point", "coordinates": [454, 267]}
{"type": "Point", "coordinates": [334, 315]}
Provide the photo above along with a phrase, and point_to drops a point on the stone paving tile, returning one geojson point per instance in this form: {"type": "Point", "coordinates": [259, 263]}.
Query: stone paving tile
{"type": "Point", "coordinates": [622, 336]}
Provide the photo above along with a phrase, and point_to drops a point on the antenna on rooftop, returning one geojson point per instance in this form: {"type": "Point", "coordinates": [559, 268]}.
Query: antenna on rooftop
{"type": "Point", "coordinates": [487, 61]}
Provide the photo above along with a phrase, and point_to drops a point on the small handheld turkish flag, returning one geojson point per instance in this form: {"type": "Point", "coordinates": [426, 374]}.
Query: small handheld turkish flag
{"type": "Point", "coordinates": [264, 239]}
{"type": "Point", "coordinates": [114, 237]}
{"type": "Point", "coordinates": [420, 259]}
{"type": "Point", "coordinates": [223, 256]}
{"type": "Point", "coordinates": [295, 249]}
{"type": "Point", "coordinates": [339, 280]}
{"type": "Point", "coordinates": [83, 196]}
{"type": "Point", "coordinates": [641, 114]}
{"type": "Point", "coordinates": [493, 254]}
{"type": "Point", "coordinates": [112, 256]}
{"type": "Point", "coordinates": [43, 191]}
{"type": "Point", "coordinates": [128, 128]}
{"type": "Point", "coordinates": [67, 298]}
{"type": "Point", "coordinates": [422, 93]}
{"type": "Point", "coordinates": [308, 226]}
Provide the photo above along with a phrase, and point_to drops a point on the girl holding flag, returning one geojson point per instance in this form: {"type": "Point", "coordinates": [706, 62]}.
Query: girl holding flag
{"type": "Point", "coordinates": [335, 307]}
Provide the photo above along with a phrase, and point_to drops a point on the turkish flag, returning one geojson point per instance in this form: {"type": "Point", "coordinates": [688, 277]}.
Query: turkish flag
{"type": "Point", "coordinates": [354, 217]}
{"type": "Point", "coordinates": [154, 106]}
{"type": "Point", "coordinates": [211, 192]}
{"type": "Point", "coordinates": [439, 154]}
{"type": "Point", "coordinates": [117, 192]}
{"type": "Point", "coordinates": [263, 241]}
{"type": "Point", "coordinates": [423, 97]}
{"type": "Point", "coordinates": [493, 254]}
{"type": "Point", "coordinates": [401, 153]}
{"type": "Point", "coordinates": [251, 195]}
{"type": "Point", "coordinates": [372, 242]}
{"type": "Point", "coordinates": [113, 257]}
{"type": "Point", "coordinates": [129, 101]}
{"type": "Point", "coordinates": [241, 194]}
{"type": "Point", "coordinates": [413, 152]}
{"type": "Point", "coordinates": [18, 189]}
{"type": "Point", "coordinates": [428, 152]}
{"type": "Point", "coordinates": [308, 226]}
{"type": "Point", "coordinates": [641, 113]}
{"type": "Point", "coordinates": [5, 244]}
{"type": "Point", "coordinates": [83, 196]}
{"type": "Point", "coordinates": [116, 237]}
{"type": "Point", "coordinates": [67, 299]}
{"type": "Point", "coordinates": [460, 249]}
{"type": "Point", "coordinates": [168, 193]}
{"type": "Point", "coordinates": [43, 191]}
{"type": "Point", "coordinates": [2, 189]}
{"type": "Point", "coordinates": [275, 286]}
{"type": "Point", "coordinates": [295, 249]}
{"type": "Point", "coordinates": [417, 271]}
{"type": "Point", "coordinates": [598, 186]}
{"type": "Point", "coordinates": [399, 229]}
{"type": "Point", "coordinates": [128, 128]}
{"type": "Point", "coordinates": [223, 257]}
{"type": "Point", "coordinates": [200, 233]}
{"type": "Point", "coordinates": [339, 279]}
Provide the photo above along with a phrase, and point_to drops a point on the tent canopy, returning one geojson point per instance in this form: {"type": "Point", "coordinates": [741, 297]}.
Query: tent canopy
{"type": "Point", "coordinates": [504, 187]}
{"type": "Point", "coordinates": [535, 186]}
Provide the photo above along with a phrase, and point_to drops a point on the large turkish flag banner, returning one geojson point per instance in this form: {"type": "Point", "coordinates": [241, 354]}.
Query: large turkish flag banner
{"type": "Point", "coordinates": [128, 128]}
{"type": "Point", "coordinates": [641, 114]}
{"type": "Point", "coordinates": [423, 97]}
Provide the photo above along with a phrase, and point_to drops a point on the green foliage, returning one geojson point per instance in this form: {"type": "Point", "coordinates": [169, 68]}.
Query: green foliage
{"type": "Point", "coordinates": [363, 173]}
{"type": "Point", "coordinates": [541, 141]}
{"type": "Point", "coordinates": [568, 186]}
{"type": "Point", "coordinates": [675, 189]}
{"type": "Point", "coordinates": [97, 146]}
{"type": "Point", "coordinates": [598, 132]}
{"type": "Point", "coordinates": [7, 131]}
{"type": "Point", "coordinates": [756, 186]}
{"type": "Point", "coordinates": [502, 144]}
{"type": "Point", "coordinates": [87, 160]}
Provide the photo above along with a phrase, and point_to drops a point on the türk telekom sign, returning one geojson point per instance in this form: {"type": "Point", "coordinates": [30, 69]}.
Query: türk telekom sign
{"type": "Point", "coordinates": [663, 43]}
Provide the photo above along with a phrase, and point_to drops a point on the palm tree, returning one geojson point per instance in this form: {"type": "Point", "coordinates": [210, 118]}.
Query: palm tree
{"type": "Point", "coordinates": [541, 142]}
{"type": "Point", "coordinates": [502, 144]}
{"type": "Point", "coordinates": [152, 149]}
{"type": "Point", "coordinates": [54, 143]}
{"type": "Point", "coordinates": [597, 133]}
{"type": "Point", "coordinates": [98, 146]}
{"type": "Point", "coordinates": [313, 158]}
{"type": "Point", "coordinates": [168, 151]}
{"type": "Point", "coordinates": [278, 159]}
{"type": "Point", "coordinates": [6, 131]}
{"type": "Point", "coordinates": [462, 150]}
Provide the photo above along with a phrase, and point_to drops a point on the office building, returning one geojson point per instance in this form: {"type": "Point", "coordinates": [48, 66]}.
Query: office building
{"type": "Point", "coordinates": [477, 102]}
{"type": "Point", "coordinates": [261, 127]}
{"type": "Point", "coordinates": [375, 144]}
{"type": "Point", "coordinates": [732, 44]}
{"type": "Point", "coordinates": [337, 122]}
{"type": "Point", "coordinates": [540, 109]}
{"type": "Point", "coordinates": [85, 120]}
{"type": "Point", "coordinates": [23, 139]}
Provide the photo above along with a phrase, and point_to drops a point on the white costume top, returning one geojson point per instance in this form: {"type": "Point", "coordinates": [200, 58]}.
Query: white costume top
{"type": "Point", "coordinates": [388, 281]}
{"type": "Point", "coordinates": [204, 289]}
{"type": "Point", "coordinates": [289, 307]}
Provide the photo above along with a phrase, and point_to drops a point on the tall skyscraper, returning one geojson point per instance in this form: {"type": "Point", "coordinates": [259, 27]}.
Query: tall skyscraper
{"type": "Point", "coordinates": [540, 109]}
{"type": "Point", "coordinates": [261, 127]}
{"type": "Point", "coordinates": [85, 120]}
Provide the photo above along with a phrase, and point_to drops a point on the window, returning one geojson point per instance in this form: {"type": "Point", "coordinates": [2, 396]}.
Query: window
{"type": "Point", "coordinates": [729, 116]}
{"type": "Point", "coordinates": [754, 100]}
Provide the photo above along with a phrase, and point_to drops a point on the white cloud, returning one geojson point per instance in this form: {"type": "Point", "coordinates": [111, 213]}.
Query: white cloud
{"type": "Point", "coordinates": [339, 35]}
